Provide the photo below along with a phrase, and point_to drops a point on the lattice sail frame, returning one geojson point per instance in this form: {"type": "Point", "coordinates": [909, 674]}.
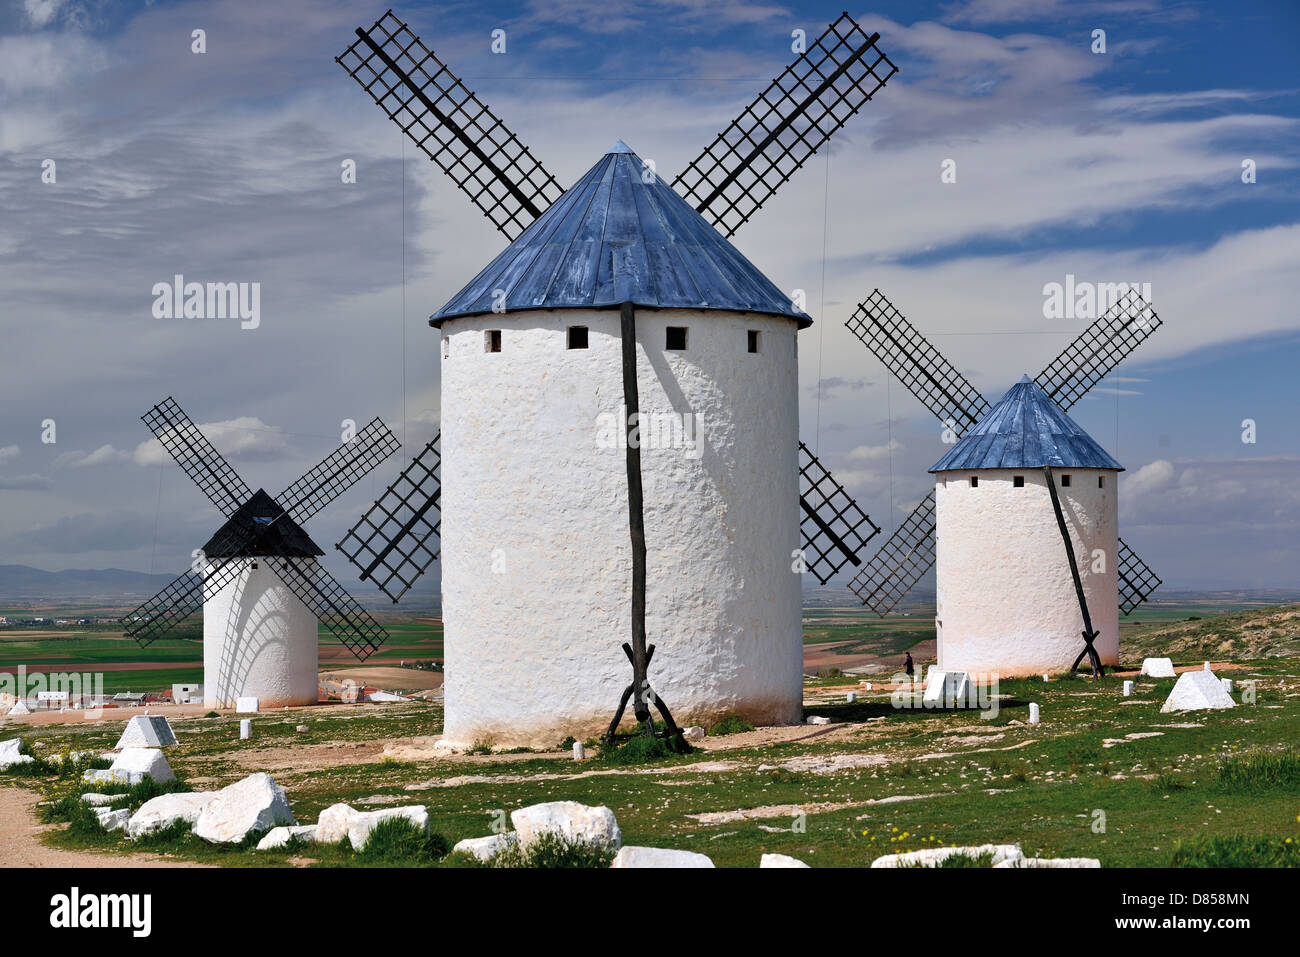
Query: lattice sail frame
{"type": "Point", "coordinates": [798, 112]}
{"type": "Point", "coordinates": [899, 563]}
{"type": "Point", "coordinates": [917, 364]}
{"type": "Point", "coordinates": [1098, 349]}
{"type": "Point", "coordinates": [196, 456]}
{"type": "Point", "coordinates": [832, 526]}
{"type": "Point", "coordinates": [396, 541]}
{"type": "Point", "coordinates": [450, 124]}
{"type": "Point", "coordinates": [338, 471]}
{"type": "Point", "coordinates": [1136, 579]}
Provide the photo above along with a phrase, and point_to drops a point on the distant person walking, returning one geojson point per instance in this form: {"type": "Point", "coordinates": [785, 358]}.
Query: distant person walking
{"type": "Point", "coordinates": [908, 667]}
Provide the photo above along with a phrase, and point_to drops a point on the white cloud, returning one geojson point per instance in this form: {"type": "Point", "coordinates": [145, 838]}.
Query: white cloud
{"type": "Point", "coordinates": [104, 455]}
{"type": "Point", "coordinates": [41, 12]}
{"type": "Point", "coordinates": [246, 439]}
{"type": "Point", "coordinates": [8, 452]}
{"type": "Point", "coordinates": [24, 482]}
{"type": "Point", "coordinates": [875, 453]}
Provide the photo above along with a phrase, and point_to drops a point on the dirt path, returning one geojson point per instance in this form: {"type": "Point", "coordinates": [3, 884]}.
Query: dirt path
{"type": "Point", "coordinates": [22, 845]}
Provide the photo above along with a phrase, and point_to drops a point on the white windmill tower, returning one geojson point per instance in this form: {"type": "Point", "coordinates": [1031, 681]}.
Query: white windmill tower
{"type": "Point", "coordinates": [262, 591]}
{"type": "Point", "coordinates": [1023, 515]}
{"type": "Point", "coordinates": [619, 420]}
{"type": "Point", "coordinates": [1027, 530]}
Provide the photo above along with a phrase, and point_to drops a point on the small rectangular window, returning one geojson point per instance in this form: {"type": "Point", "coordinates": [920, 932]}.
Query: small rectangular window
{"type": "Point", "coordinates": [577, 337]}
{"type": "Point", "coordinates": [974, 481]}
{"type": "Point", "coordinates": [676, 338]}
{"type": "Point", "coordinates": [1101, 481]}
{"type": "Point", "coordinates": [1065, 481]}
{"type": "Point", "coordinates": [446, 347]}
{"type": "Point", "coordinates": [492, 340]}
{"type": "Point", "coordinates": [1018, 481]}
{"type": "Point", "coordinates": [753, 340]}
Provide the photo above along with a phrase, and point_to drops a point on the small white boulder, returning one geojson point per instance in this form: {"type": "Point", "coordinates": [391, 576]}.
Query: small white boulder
{"type": "Point", "coordinates": [693, 733]}
{"type": "Point", "coordinates": [570, 820]}
{"type": "Point", "coordinates": [780, 860]}
{"type": "Point", "coordinates": [256, 803]}
{"type": "Point", "coordinates": [161, 812]}
{"type": "Point", "coordinates": [280, 836]}
{"type": "Point", "coordinates": [658, 857]}
{"type": "Point", "coordinates": [132, 766]}
{"type": "Point", "coordinates": [101, 800]}
{"type": "Point", "coordinates": [486, 848]}
{"type": "Point", "coordinates": [1158, 667]}
{"type": "Point", "coordinates": [366, 821]}
{"type": "Point", "coordinates": [934, 856]}
{"type": "Point", "coordinates": [333, 823]}
{"type": "Point", "coordinates": [1049, 862]}
{"type": "Point", "coordinates": [11, 753]}
{"type": "Point", "coordinates": [113, 820]}
{"type": "Point", "coordinates": [817, 719]}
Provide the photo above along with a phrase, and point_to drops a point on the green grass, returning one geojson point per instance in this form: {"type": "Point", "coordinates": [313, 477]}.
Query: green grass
{"type": "Point", "coordinates": [1236, 851]}
{"type": "Point", "coordinates": [1260, 770]}
{"type": "Point", "coordinates": [731, 724]}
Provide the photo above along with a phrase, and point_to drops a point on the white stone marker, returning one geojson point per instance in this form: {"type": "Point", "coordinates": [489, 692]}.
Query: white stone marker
{"type": "Point", "coordinates": [1158, 667]}
{"type": "Point", "coordinates": [579, 751]}
{"type": "Point", "coordinates": [246, 706]}
{"type": "Point", "coordinates": [1197, 691]}
{"type": "Point", "coordinates": [1045, 679]}
{"type": "Point", "coordinates": [850, 697]}
{"type": "Point", "coordinates": [1206, 667]}
{"type": "Point", "coordinates": [1033, 713]}
{"type": "Point", "coordinates": [1227, 684]}
{"type": "Point", "coordinates": [245, 729]}
{"type": "Point", "coordinates": [1128, 688]}
{"type": "Point", "coordinates": [147, 731]}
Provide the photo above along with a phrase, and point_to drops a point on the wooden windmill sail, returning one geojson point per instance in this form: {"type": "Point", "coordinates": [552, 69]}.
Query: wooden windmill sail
{"type": "Point", "coordinates": [727, 184]}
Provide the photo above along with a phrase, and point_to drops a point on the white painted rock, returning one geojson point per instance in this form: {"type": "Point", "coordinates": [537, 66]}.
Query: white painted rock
{"type": "Point", "coordinates": [147, 731]}
{"type": "Point", "coordinates": [486, 848]}
{"type": "Point", "coordinates": [1227, 684]}
{"type": "Point", "coordinates": [245, 706]}
{"type": "Point", "coordinates": [1197, 691]}
{"type": "Point", "coordinates": [694, 733]}
{"type": "Point", "coordinates": [1158, 667]}
{"type": "Point", "coordinates": [579, 751]}
{"type": "Point", "coordinates": [1128, 688]}
{"type": "Point", "coordinates": [113, 820]}
{"type": "Point", "coordinates": [934, 856]}
{"type": "Point", "coordinates": [280, 836]}
{"type": "Point", "coordinates": [132, 766]}
{"type": "Point", "coordinates": [20, 707]}
{"type": "Point", "coordinates": [569, 819]}
{"type": "Point", "coordinates": [658, 857]}
{"type": "Point", "coordinates": [817, 719]}
{"type": "Point", "coordinates": [11, 754]}
{"type": "Point", "coordinates": [161, 812]}
{"type": "Point", "coordinates": [101, 800]}
{"type": "Point", "coordinates": [1050, 862]}
{"type": "Point", "coordinates": [365, 822]}
{"type": "Point", "coordinates": [256, 803]}
{"type": "Point", "coordinates": [1034, 716]}
{"type": "Point", "coordinates": [780, 860]}
{"type": "Point", "coordinates": [333, 823]}
{"type": "Point", "coordinates": [946, 688]}
{"type": "Point", "coordinates": [245, 729]}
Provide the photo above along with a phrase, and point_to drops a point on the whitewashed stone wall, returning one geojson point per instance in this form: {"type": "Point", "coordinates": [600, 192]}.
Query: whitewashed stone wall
{"type": "Point", "coordinates": [1006, 600]}
{"type": "Point", "coordinates": [536, 556]}
{"type": "Point", "coordinates": [259, 640]}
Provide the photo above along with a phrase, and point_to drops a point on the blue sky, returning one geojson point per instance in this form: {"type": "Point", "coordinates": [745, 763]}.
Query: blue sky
{"type": "Point", "coordinates": [1123, 166]}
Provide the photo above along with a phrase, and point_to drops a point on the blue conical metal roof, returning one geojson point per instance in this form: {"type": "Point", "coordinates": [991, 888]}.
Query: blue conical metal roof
{"type": "Point", "coordinates": [614, 238]}
{"type": "Point", "coordinates": [1026, 429]}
